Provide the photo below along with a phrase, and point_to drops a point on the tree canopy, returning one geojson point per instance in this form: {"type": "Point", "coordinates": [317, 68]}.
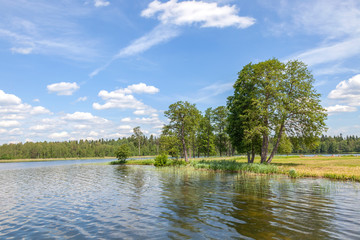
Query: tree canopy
{"type": "Point", "coordinates": [272, 98]}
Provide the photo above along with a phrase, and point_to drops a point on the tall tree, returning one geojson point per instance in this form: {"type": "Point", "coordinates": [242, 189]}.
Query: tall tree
{"type": "Point", "coordinates": [220, 115]}
{"type": "Point", "coordinates": [243, 127]}
{"type": "Point", "coordinates": [282, 99]}
{"type": "Point", "coordinates": [206, 137]}
{"type": "Point", "coordinates": [184, 118]}
{"type": "Point", "coordinates": [138, 134]}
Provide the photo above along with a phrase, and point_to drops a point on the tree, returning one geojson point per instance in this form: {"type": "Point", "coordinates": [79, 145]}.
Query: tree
{"type": "Point", "coordinates": [123, 153]}
{"type": "Point", "coordinates": [138, 136]}
{"type": "Point", "coordinates": [220, 115]}
{"type": "Point", "coordinates": [184, 118]}
{"type": "Point", "coordinates": [280, 98]}
{"type": "Point", "coordinates": [243, 129]}
{"type": "Point", "coordinates": [206, 137]}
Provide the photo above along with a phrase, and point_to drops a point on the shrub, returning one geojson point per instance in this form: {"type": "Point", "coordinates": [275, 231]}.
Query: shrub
{"type": "Point", "coordinates": [122, 154]}
{"type": "Point", "coordinates": [292, 173]}
{"type": "Point", "coordinates": [160, 160]}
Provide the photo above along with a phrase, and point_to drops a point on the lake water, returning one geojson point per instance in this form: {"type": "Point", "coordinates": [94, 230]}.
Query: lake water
{"type": "Point", "coordinates": [144, 202]}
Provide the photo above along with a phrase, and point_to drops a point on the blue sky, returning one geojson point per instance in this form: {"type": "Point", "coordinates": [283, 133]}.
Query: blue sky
{"type": "Point", "coordinates": [90, 69]}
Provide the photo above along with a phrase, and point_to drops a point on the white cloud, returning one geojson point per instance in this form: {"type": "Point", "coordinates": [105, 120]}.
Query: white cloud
{"type": "Point", "coordinates": [331, 52]}
{"type": "Point", "coordinates": [40, 127]}
{"type": "Point", "coordinates": [63, 88]}
{"type": "Point", "coordinates": [15, 131]}
{"type": "Point", "coordinates": [347, 91]}
{"type": "Point", "coordinates": [101, 3]}
{"type": "Point", "coordinates": [10, 123]}
{"type": "Point", "coordinates": [8, 99]}
{"type": "Point", "coordinates": [39, 110]}
{"type": "Point", "coordinates": [24, 51]}
{"type": "Point", "coordinates": [46, 27]}
{"type": "Point", "coordinates": [340, 109]}
{"type": "Point", "coordinates": [123, 99]}
{"type": "Point", "coordinates": [189, 12]}
{"type": "Point", "coordinates": [142, 88]}
{"type": "Point", "coordinates": [59, 135]}
{"type": "Point", "coordinates": [160, 34]}
{"type": "Point", "coordinates": [81, 99]}
{"type": "Point", "coordinates": [172, 15]}
{"type": "Point", "coordinates": [124, 127]}
{"type": "Point", "coordinates": [84, 116]}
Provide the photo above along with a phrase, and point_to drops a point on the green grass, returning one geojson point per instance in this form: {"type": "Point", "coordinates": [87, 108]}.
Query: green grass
{"type": "Point", "coordinates": [234, 166]}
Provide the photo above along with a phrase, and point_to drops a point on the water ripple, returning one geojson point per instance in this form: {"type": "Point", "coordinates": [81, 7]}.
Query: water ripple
{"type": "Point", "coordinates": [135, 202]}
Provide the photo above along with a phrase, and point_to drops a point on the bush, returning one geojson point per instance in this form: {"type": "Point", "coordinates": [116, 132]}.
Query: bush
{"type": "Point", "coordinates": [122, 154]}
{"type": "Point", "coordinates": [292, 173]}
{"type": "Point", "coordinates": [161, 160]}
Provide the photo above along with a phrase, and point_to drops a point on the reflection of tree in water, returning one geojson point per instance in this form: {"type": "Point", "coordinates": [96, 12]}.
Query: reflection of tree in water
{"type": "Point", "coordinates": [133, 179]}
{"type": "Point", "coordinates": [183, 199]}
{"type": "Point", "coordinates": [276, 209]}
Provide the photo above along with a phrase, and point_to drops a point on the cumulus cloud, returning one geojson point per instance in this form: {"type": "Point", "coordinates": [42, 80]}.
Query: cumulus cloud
{"type": "Point", "coordinates": [204, 13]}
{"type": "Point", "coordinates": [84, 116]}
{"type": "Point", "coordinates": [63, 88]}
{"type": "Point", "coordinates": [101, 3]}
{"type": "Point", "coordinates": [340, 109]}
{"type": "Point", "coordinates": [347, 91]}
{"type": "Point", "coordinates": [9, 123]}
{"type": "Point", "coordinates": [123, 99]}
{"type": "Point", "coordinates": [59, 135]}
{"type": "Point", "coordinates": [8, 99]}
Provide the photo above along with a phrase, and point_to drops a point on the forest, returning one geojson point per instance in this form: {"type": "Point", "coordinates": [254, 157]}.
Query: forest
{"type": "Point", "coordinates": [151, 146]}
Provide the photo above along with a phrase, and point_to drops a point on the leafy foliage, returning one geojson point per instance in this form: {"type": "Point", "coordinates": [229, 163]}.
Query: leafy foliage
{"type": "Point", "coordinates": [123, 153]}
{"type": "Point", "coordinates": [160, 160]}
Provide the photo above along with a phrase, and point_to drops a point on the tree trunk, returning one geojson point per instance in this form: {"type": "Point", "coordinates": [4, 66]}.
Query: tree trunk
{"type": "Point", "coordinates": [139, 147]}
{"type": "Point", "coordinates": [184, 144]}
{"type": "Point", "coordinates": [184, 149]}
{"type": "Point", "coordinates": [264, 148]}
{"type": "Point", "coordinates": [277, 144]}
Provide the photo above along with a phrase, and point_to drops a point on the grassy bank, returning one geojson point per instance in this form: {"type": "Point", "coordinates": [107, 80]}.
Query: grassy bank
{"type": "Point", "coordinates": [336, 167]}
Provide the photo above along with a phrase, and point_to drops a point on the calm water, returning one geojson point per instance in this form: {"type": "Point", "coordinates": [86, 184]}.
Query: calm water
{"type": "Point", "coordinates": [137, 202]}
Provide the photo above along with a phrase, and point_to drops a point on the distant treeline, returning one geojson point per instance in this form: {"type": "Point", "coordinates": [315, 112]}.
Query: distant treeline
{"type": "Point", "coordinates": [77, 149]}
{"type": "Point", "coordinates": [151, 146]}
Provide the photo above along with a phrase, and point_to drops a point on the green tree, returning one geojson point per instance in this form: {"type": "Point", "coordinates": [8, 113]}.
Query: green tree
{"type": "Point", "coordinates": [206, 137]}
{"type": "Point", "coordinates": [184, 118]}
{"type": "Point", "coordinates": [282, 100]}
{"type": "Point", "coordinates": [138, 135]}
{"type": "Point", "coordinates": [219, 116]}
{"type": "Point", "coordinates": [123, 153]}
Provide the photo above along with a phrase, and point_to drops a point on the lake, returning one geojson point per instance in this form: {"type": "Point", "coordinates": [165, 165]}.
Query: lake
{"type": "Point", "coordinates": [75, 201]}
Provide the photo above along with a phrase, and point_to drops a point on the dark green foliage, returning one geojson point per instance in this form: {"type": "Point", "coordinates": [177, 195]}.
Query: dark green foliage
{"type": "Point", "coordinates": [272, 99]}
{"type": "Point", "coordinates": [123, 153]}
{"type": "Point", "coordinates": [160, 160]}
{"type": "Point", "coordinates": [78, 149]}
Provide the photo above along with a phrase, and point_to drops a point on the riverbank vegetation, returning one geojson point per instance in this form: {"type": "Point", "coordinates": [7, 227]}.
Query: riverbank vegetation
{"type": "Point", "coordinates": [333, 167]}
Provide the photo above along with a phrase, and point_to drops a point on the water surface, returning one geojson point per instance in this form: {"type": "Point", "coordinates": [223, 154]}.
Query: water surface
{"type": "Point", "coordinates": [135, 202]}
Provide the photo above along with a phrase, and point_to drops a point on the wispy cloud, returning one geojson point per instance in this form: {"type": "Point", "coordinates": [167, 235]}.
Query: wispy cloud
{"type": "Point", "coordinates": [159, 34]}
{"type": "Point", "coordinates": [49, 28]}
{"type": "Point", "coordinates": [331, 53]}
{"type": "Point", "coordinates": [172, 15]}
